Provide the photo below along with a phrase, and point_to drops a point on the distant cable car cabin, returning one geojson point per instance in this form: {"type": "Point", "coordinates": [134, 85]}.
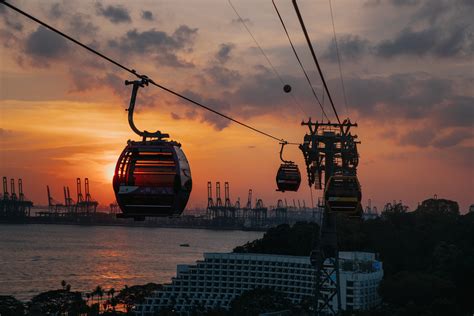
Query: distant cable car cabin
{"type": "Point", "coordinates": [343, 195]}
{"type": "Point", "coordinates": [152, 177]}
{"type": "Point", "coordinates": [288, 177]}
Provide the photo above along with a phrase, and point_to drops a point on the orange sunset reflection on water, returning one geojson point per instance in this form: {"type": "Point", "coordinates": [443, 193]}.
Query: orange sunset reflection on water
{"type": "Point", "coordinates": [111, 257]}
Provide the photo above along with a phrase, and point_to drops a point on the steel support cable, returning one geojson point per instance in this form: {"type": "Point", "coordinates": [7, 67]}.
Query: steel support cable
{"type": "Point", "coordinates": [300, 18]}
{"type": "Point", "coordinates": [338, 59]}
{"type": "Point", "coordinates": [132, 71]}
{"type": "Point", "coordinates": [299, 61]}
{"type": "Point", "coordinates": [265, 55]}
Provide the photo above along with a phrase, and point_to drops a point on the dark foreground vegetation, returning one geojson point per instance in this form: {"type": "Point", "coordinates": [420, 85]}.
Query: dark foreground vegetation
{"type": "Point", "coordinates": [65, 301]}
{"type": "Point", "coordinates": [427, 255]}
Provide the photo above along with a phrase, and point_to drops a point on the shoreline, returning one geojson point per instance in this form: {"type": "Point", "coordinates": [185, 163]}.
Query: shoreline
{"type": "Point", "coordinates": [109, 223]}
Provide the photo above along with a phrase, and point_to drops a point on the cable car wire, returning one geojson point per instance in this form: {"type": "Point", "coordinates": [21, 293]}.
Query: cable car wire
{"type": "Point", "coordinates": [303, 27]}
{"type": "Point", "coordinates": [338, 59]}
{"type": "Point", "coordinates": [135, 73]}
{"type": "Point", "coordinates": [265, 55]}
{"type": "Point", "coordinates": [299, 61]}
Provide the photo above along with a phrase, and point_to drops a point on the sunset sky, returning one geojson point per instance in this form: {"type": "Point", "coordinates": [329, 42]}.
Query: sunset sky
{"type": "Point", "coordinates": [408, 72]}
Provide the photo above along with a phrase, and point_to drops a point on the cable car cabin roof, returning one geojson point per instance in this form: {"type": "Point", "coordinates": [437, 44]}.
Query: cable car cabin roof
{"type": "Point", "coordinates": [152, 178]}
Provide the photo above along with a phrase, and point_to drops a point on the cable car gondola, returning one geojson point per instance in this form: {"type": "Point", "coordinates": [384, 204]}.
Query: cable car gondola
{"type": "Point", "coordinates": [343, 195]}
{"type": "Point", "coordinates": [152, 176]}
{"type": "Point", "coordinates": [288, 177]}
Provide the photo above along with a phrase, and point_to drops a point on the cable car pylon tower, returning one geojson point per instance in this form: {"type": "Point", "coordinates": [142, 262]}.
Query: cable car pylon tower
{"type": "Point", "coordinates": [331, 158]}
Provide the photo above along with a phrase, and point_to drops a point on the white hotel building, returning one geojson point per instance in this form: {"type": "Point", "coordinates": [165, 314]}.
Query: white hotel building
{"type": "Point", "coordinates": [220, 277]}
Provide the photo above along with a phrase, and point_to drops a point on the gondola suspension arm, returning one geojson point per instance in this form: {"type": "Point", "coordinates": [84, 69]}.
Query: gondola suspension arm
{"type": "Point", "coordinates": [137, 84]}
{"type": "Point", "coordinates": [281, 153]}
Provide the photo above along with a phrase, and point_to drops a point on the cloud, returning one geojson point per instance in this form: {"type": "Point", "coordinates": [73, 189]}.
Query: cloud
{"type": "Point", "coordinates": [217, 72]}
{"type": "Point", "coordinates": [408, 96]}
{"type": "Point", "coordinates": [415, 100]}
{"type": "Point", "coordinates": [372, 3]}
{"type": "Point", "coordinates": [44, 45]}
{"type": "Point", "coordinates": [80, 24]}
{"type": "Point", "coordinates": [116, 84]}
{"type": "Point", "coordinates": [259, 93]}
{"type": "Point", "coordinates": [398, 3]}
{"type": "Point", "coordinates": [446, 12]}
{"type": "Point", "coordinates": [404, 2]}
{"type": "Point", "coordinates": [115, 14]}
{"type": "Point", "coordinates": [223, 54]}
{"type": "Point", "coordinates": [55, 11]}
{"type": "Point", "coordinates": [218, 122]}
{"type": "Point", "coordinates": [440, 28]}
{"type": "Point", "coordinates": [436, 41]}
{"type": "Point", "coordinates": [9, 21]}
{"type": "Point", "coordinates": [175, 116]}
{"type": "Point", "coordinates": [223, 76]}
{"type": "Point", "coordinates": [162, 46]}
{"type": "Point", "coordinates": [148, 15]}
{"type": "Point", "coordinates": [82, 80]}
{"type": "Point", "coordinates": [351, 47]}
{"type": "Point", "coordinates": [418, 137]}
{"type": "Point", "coordinates": [6, 133]}
{"type": "Point", "coordinates": [452, 138]}
{"type": "Point", "coordinates": [430, 135]}
{"type": "Point", "coordinates": [457, 111]}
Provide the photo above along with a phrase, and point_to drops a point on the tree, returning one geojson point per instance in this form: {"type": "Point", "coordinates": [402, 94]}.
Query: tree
{"type": "Point", "coordinates": [58, 302]}
{"type": "Point", "coordinates": [100, 293]}
{"type": "Point", "coordinates": [130, 296]}
{"type": "Point", "coordinates": [296, 240]}
{"type": "Point", "coordinates": [10, 306]}
{"type": "Point", "coordinates": [418, 293]}
{"type": "Point", "coordinates": [258, 301]}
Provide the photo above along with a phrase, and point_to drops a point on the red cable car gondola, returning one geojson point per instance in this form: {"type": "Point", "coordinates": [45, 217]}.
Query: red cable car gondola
{"type": "Point", "coordinates": [288, 177]}
{"type": "Point", "coordinates": [152, 177]}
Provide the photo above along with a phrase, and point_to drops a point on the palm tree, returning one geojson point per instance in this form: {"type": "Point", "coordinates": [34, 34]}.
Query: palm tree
{"type": "Point", "coordinates": [110, 295]}
{"type": "Point", "coordinates": [112, 292]}
{"type": "Point", "coordinates": [63, 284]}
{"type": "Point", "coordinates": [100, 293]}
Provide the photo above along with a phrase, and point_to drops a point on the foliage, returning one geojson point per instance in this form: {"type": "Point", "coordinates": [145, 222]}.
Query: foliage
{"type": "Point", "coordinates": [419, 293]}
{"type": "Point", "coordinates": [294, 240]}
{"type": "Point", "coordinates": [129, 296]}
{"type": "Point", "coordinates": [58, 302]}
{"type": "Point", "coordinates": [429, 249]}
{"type": "Point", "coordinates": [257, 301]}
{"type": "Point", "coordinates": [10, 306]}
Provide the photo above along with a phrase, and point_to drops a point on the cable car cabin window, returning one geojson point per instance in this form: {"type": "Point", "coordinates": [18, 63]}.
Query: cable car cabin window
{"type": "Point", "coordinates": [154, 169]}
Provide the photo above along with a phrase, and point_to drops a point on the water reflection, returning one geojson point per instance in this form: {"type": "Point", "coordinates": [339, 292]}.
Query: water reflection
{"type": "Point", "coordinates": [35, 258]}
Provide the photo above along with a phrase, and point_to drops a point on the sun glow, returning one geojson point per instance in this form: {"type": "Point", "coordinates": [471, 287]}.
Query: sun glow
{"type": "Point", "coordinates": [109, 171]}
